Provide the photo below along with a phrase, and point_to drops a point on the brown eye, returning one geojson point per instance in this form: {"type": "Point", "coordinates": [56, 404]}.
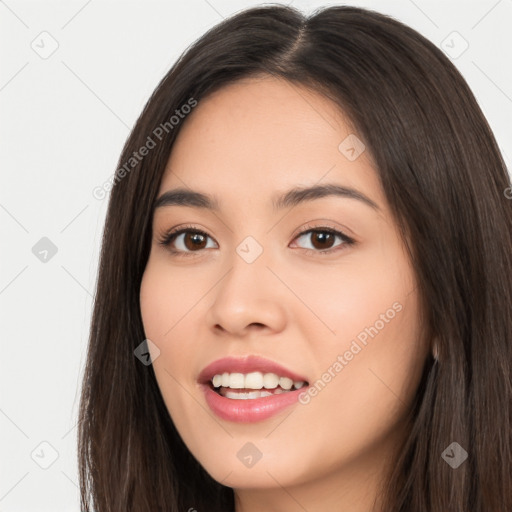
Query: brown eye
{"type": "Point", "coordinates": [186, 241]}
{"type": "Point", "coordinates": [192, 240]}
{"type": "Point", "coordinates": [323, 240]}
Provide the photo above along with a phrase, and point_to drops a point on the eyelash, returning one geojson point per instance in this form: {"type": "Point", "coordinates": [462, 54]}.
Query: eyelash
{"type": "Point", "coordinates": [168, 237]}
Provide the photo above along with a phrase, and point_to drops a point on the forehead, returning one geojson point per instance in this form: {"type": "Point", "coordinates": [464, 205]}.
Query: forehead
{"type": "Point", "coordinates": [259, 136]}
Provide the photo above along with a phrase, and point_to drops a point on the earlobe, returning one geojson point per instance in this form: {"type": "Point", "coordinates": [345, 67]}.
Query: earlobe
{"type": "Point", "coordinates": [435, 350]}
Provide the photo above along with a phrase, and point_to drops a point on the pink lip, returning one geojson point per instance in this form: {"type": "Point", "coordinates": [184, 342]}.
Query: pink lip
{"type": "Point", "coordinates": [251, 410]}
{"type": "Point", "coordinates": [246, 365]}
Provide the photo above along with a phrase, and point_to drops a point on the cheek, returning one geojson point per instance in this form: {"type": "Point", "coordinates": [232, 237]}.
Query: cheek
{"type": "Point", "coordinates": [153, 299]}
{"type": "Point", "coordinates": [369, 368]}
{"type": "Point", "coordinates": [362, 398]}
{"type": "Point", "coordinates": [166, 302]}
{"type": "Point", "coordinates": [339, 301]}
{"type": "Point", "coordinates": [167, 297]}
{"type": "Point", "coordinates": [160, 307]}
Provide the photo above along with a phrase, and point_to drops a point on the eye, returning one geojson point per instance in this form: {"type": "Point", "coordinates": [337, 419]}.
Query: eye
{"type": "Point", "coordinates": [322, 239]}
{"type": "Point", "coordinates": [185, 240]}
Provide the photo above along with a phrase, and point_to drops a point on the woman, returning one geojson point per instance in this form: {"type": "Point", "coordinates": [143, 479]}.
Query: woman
{"type": "Point", "coordinates": [342, 337]}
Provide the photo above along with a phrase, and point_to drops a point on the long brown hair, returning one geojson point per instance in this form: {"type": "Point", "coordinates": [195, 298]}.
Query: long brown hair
{"type": "Point", "coordinates": [445, 180]}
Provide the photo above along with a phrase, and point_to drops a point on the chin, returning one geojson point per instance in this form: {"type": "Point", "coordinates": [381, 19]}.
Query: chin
{"type": "Point", "coordinates": [270, 470]}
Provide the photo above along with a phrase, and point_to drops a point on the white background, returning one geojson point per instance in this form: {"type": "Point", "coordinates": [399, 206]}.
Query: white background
{"type": "Point", "coordinates": [63, 122]}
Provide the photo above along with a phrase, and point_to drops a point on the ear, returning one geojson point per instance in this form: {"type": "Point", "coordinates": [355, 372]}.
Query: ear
{"type": "Point", "coordinates": [435, 349]}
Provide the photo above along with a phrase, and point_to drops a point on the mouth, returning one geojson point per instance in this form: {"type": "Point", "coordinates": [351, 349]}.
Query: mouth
{"type": "Point", "coordinates": [250, 386]}
{"type": "Point", "coordinates": [249, 389]}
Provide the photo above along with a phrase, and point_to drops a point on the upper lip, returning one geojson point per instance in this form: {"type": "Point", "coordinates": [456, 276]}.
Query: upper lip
{"type": "Point", "coordinates": [246, 364]}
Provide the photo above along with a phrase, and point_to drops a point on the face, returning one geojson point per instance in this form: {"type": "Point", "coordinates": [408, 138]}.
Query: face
{"type": "Point", "coordinates": [319, 284]}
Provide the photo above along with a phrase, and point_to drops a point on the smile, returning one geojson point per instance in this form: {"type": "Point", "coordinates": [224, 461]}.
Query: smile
{"type": "Point", "coordinates": [241, 395]}
{"type": "Point", "coordinates": [235, 385]}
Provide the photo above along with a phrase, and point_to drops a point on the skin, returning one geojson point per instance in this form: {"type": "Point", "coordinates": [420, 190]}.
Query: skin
{"type": "Point", "coordinates": [244, 143]}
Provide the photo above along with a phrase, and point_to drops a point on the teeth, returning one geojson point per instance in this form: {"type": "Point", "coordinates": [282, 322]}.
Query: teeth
{"type": "Point", "coordinates": [270, 381]}
{"type": "Point", "coordinates": [236, 380]}
{"type": "Point", "coordinates": [246, 396]}
{"type": "Point", "coordinates": [255, 380]}
{"type": "Point", "coordinates": [286, 383]}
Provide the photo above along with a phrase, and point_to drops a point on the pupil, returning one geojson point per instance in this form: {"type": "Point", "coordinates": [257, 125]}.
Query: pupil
{"type": "Point", "coordinates": [323, 237]}
{"type": "Point", "coordinates": [196, 238]}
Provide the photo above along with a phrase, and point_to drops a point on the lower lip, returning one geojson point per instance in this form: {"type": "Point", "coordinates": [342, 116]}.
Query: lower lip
{"type": "Point", "coordinates": [250, 410]}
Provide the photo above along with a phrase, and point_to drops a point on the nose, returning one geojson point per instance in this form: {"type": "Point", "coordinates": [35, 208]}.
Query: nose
{"type": "Point", "coordinates": [248, 298]}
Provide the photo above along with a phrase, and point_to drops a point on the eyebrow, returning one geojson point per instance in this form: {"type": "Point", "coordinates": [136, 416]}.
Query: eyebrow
{"type": "Point", "coordinates": [293, 197]}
